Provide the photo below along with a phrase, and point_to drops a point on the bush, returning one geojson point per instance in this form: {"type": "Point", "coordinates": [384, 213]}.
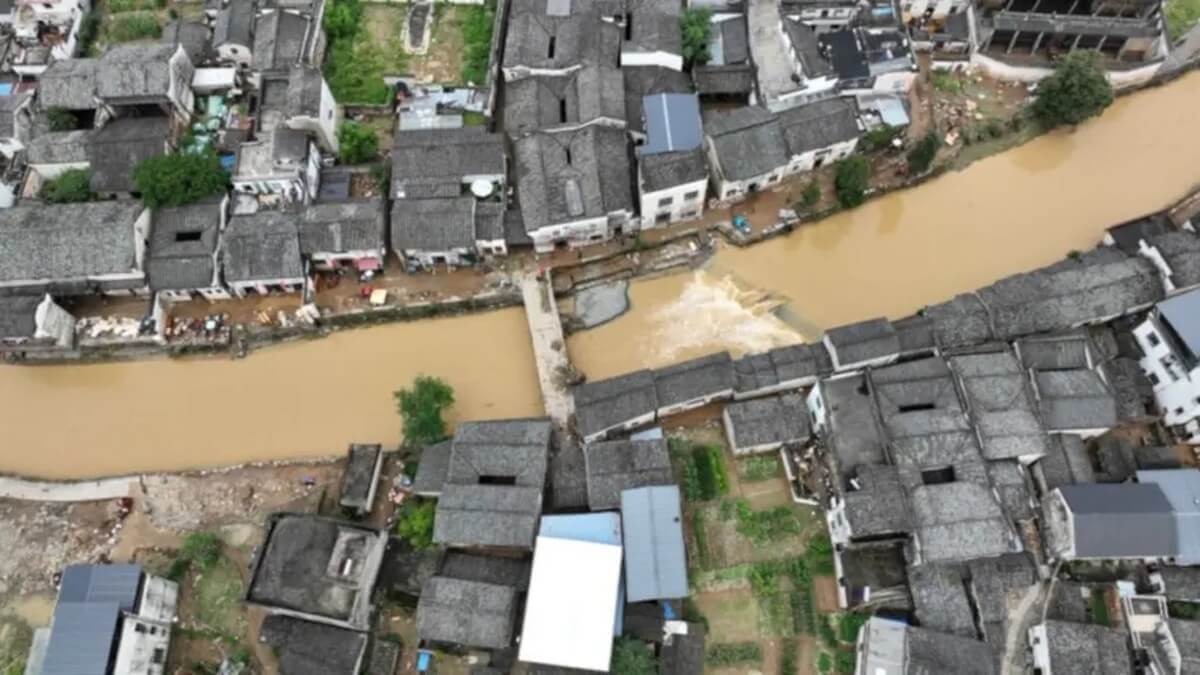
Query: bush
{"type": "Point", "coordinates": [811, 194]}
{"type": "Point", "coordinates": [1076, 91]}
{"type": "Point", "coordinates": [946, 82]}
{"type": "Point", "coordinates": [844, 661]}
{"type": "Point", "coordinates": [357, 143]}
{"type": "Point", "coordinates": [733, 653]}
{"type": "Point", "coordinates": [202, 549]}
{"type": "Point", "coordinates": [88, 28]}
{"type": "Point", "coordinates": [133, 26]}
{"type": "Point", "coordinates": [1179, 16]}
{"type": "Point", "coordinates": [477, 42]}
{"type": "Point", "coordinates": [701, 537]}
{"type": "Point", "coordinates": [415, 523]}
{"type": "Point", "coordinates": [356, 76]}
{"type": "Point", "coordinates": [758, 469]}
{"type": "Point", "coordinates": [824, 662]}
{"type": "Point", "coordinates": [632, 657]}
{"type": "Point", "coordinates": [826, 632]}
{"type": "Point", "coordinates": [342, 20]}
{"type": "Point", "coordinates": [421, 408]}
{"type": "Point", "coordinates": [696, 27]}
{"type": "Point", "coordinates": [119, 6]}
{"type": "Point", "coordinates": [72, 185]}
{"type": "Point", "coordinates": [921, 157]}
{"type": "Point", "coordinates": [180, 178]}
{"type": "Point", "coordinates": [61, 119]}
{"type": "Point", "coordinates": [710, 471]}
{"type": "Point", "coordinates": [763, 579]}
{"type": "Point", "coordinates": [879, 137]}
{"type": "Point", "coordinates": [820, 554]}
{"type": "Point", "coordinates": [850, 181]}
{"type": "Point", "coordinates": [849, 625]}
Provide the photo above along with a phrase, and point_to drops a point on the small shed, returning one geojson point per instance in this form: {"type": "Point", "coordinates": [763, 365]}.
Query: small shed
{"type": "Point", "coordinates": [361, 478]}
{"type": "Point", "coordinates": [655, 560]}
{"type": "Point", "coordinates": [569, 624]}
{"type": "Point", "coordinates": [765, 424]}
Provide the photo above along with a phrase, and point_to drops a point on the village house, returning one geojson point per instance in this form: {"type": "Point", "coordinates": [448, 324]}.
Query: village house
{"type": "Point", "coordinates": [183, 259]}
{"type": "Point", "coordinates": [822, 15]}
{"type": "Point", "coordinates": [454, 231]}
{"type": "Point", "coordinates": [820, 133]}
{"type": "Point", "coordinates": [574, 187]}
{"type": "Point", "coordinates": [360, 480]}
{"type": "Point", "coordinates": [765, 424]}
{"type": "Point", "coordinates": [746, 152]}
{"type": "Point", "coordinates": [71, 86]}
{"type": "Point", "coordinates": [790, 67]}
{"type": "Point", "coordinates": [1066, 647]}
{"type": "Point", "coordinates": [621, 403]}
{"type": "Point", "coordinates": [16, 121]}
{"type": "Point", "coordinates": [317, 569]}
{"type": "Point", "coordinates": [51, 154]}
{"type": "Point", "coordinates": [116, 149]}
{"type": "Point", "coordinates": [74, 249]}
{"type": "Point", "coordinates": [872, 342]}
{"type": "Point", "coordinates": [672, 175]}
{"type": "Point", "coordinates": [588, 95]}
{"type": "Point", "coordinates": [145, 78]}
{"type": "Point", "coordinates": [616, 466]}
{"type": "Point", "coordinates": [261, 254]}
{"type": "Point", "coordinates": [1169, 340]}
{"type": "Point", "coordinates": [467, 612]}
{"type": "Point", "coordinates": [896, 648]}
{"type": "Point", "coordinates": [346, 234]}
{"type": "Point", "coordinates": [693, 383]}
{"type": "Point", "coordinates": [652, 35]}
{"type": "Point", "coordinates": [308, 105]}
{"type": "Point", "coordinates": [644, 81]}
{"type": "Point", "coordinates": [233, 34]}
{"type": "Point", "coordinates": [108, 620]}
{"type": "Point", "coordinates": [729, 74]}
{"type": "Point", "coordinates": [652, 532]}
{"type": "Point", "coordinates": [287, 36]}
{"type": "Point", "coordinates": [309, 648]}
{"type": "Point", "coordinates": [780, 369]}
{"type": "Point", "coordinates": [279, 165]}
{"type": "Point", "coordinates": [446, 163]}
{"type": "Point", "coordinates": [31, 323]}
{"type": "Point", "coordinates": [552, 37]}
{"type": "Point", "coordinates": [870, 61]}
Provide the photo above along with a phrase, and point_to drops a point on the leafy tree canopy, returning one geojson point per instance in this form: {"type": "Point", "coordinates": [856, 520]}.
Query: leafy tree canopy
{"type": "Point", "coordinates": [850, 181]}
{"type": "Point", "coordinates": [421, 407]}
{"type": "Point", "coordinates": [180, 178]}
{"type": "Point", "coordinates": [696, 31]}
{"type": "Point", "coordinates": [357, 143]}
{"type": "Point", "coordinates": [1076, 91]}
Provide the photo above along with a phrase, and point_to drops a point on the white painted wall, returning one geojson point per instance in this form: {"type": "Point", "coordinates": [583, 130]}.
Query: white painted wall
{"type": "Point", "coordinates": [1176, 390]}
{"type": "Point", "coordinates": [632, 57]}
{"type": "Point", "coordinates": [684, 202]}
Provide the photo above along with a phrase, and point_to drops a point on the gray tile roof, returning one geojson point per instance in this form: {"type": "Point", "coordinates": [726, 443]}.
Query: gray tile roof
{"type": "Point", "coordinates": [916, 335]}
{"type": "Point", "coordinates": [863, 341]}
{"type": "Point", "coordinates": [12, 122]}
{"type": "Point", "coordinates": [235, 24]}
{"type": "Point", "coordinates": [615, 466]}
{"type": "Point", "coordinates": [605, 404]}
{"type": "Point", "coordinates": [767, 421]}
{"type": "Point", "coordinates": [1181, 250]}
{"type": "Point", "coordinates": [433, 224]}
{"type": "Point", "coordinates": [68, 241]}
{"type": "Point", "coordinates": [703, 377]}
{"type": "Point", "coordinates": [358, 478]}
{"type": "Point", "coordinates": [445, 156]}
{"type": "Point", "coordinates": [853, 434]}
{"type": "Point", "coordinates": [581, 96]}
{"type": "Point", "coordinates": [652, 531]}
{"type": "Point", "coordinates": [310, 648]}
{"type": "Point", "coordinates": [1181, 583]}
{"type": "Point", "coordinates": [279, 40]}
{"type": "Point", "coordinates": [304, 88]}
{"type": "Point", "coordinates": [960, 322]}
{"type": "Point", "coordinates": [191, 35]}
{"type": "Point", "coordinates": [262, 247]}
{"type": "Point", "coordinates": [137, 72]}
{"type": "Point", "coordinates": [18, 316]}
{"type": "Point", "coordinates": [342, 227]}
{"type": "Point", "coordinates": [572, 175]}
{"type": "Point", "coordinates": [731, 80]}
{"type": "Point", "coordinates": [489, 221]}
{"type": "Point", "coordinates": [641, 81]}
{"type": "Point", "coordinates": [879, 506]}
{"type": "Point", "coordinates": [735, 40]}
{"type": "Point", "coordinates": [1009, 479]}
{"type": "Point", "coordinates": [487, 569]}
{"type": "Point", "coordinates": [818, 125]}
{"type": "Point", "coordinates": [487, 515]}
{"type": "Point", "coordinates": [683, 654]}
{"type": "Point", "coordinates": [517, 448]}
{"type": "Point", "coordinates": [432, 469]}
{"type": "Point", "coordinates": [794, 364]}
{"type": "Point", "coordinates": [69, 84]}
{"type": "Point", "coordinates": [117, 149]}
{"type": "Point", "coordinates": [538, 40]}
{"type": "Point", "coordinates": [1060, 352]}
{"type": "Point", "coordinates": [748, 142]}
{"type": "Point", "coordinates": [930, 652]}
{"type": "Point", "coordinates": [1079, 649]}
{"type": "Point", "coordinates": [940, 599]}
{"type": "Point", "coordinates": [182, 243]}
{"type": "Point", "coordinates": [59, 147]}
{"type": "Point", "coordinates": [655, 27]}
{"type": "Point", "coordinates": [469, 613]}
{"type": "Point", "coordinates": [1066, 462]}
{"type": "Point", "coordinates": [1140, 511]}
{"type": "Point", "coordinates": [1009, 434]}
{"type": "Point", "coordinates": [1074, 399]}
{"type": "Point", "coordinates": [670, 169]}
{"type": "Point", "coordinates": [959, 521]}
{"type": "Point", "coordinates": [807, 50]}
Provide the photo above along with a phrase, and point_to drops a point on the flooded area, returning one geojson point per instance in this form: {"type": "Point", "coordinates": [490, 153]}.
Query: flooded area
{"type": "Point", "coordinates": [1004, 214]}
{"type": "Point", "coordinates": [298, 400]}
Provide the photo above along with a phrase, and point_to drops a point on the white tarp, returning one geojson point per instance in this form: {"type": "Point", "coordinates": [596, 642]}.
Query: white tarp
{"type": "Point", "coordinates": [571, 605]}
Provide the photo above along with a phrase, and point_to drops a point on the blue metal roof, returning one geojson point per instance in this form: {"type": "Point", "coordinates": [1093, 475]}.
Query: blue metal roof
{"type": "Point", "coordinates": [1182, 489]}
{"type": "Point", "coordinates": [101, 583]}
{"type": "Point", "coordinates": [655, 561]}
{"type": "Point", "coordinates": [82, 638]}
{"type": "Point", "coordinates": [1183, 313]}
{"type": "Point", "coordinates": [672, 123]}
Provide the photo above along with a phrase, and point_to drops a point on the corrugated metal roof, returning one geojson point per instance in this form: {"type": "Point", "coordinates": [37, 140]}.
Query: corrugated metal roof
{"type": "Point", "coordinates": [82, 638]}
{"type": "Point", "coordinates": [101, 583]}
{"type": "Point", "coordinates": [672, 123]}
{"type": "Point", "coordinates": [1182, 489]}
{"type": "Point", "coordinates": [1139, 512]}
{"type": "Point", "coordinates": [1183, 313]}
{"type": "Point", "coordinates": [655, 561]}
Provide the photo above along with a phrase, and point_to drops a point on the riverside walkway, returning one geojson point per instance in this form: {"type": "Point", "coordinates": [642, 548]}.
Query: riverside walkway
{"type": "Point", "coordinates": [549, 347]}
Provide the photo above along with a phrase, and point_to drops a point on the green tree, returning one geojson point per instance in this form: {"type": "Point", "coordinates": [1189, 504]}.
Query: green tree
{"type": "Point", "coordinates": [632, 657]}
{"type": "Point", "coordinates": [477, 27]}
{"type": "Point", "coordinates": [72, 185]}
{"type": "Point", "coordinates": [421, 408]}
{"type": "Point", "coordinates": [851, 178]}
{"type": "Point", "coordinates": [357, 143]}
{"type": "Point", "coordinates": [202, 549]}
{"type": "Point", "coordinates": [1076, 91]}
{"type": "Point", "coordinates": [415, 524]}
{"type": "Point", "coordinates": [341, 20]}
{"type": "Point", "coordinates": [811, 194]}
{"type": "Point", "coordinates": [920, 158]}
{"type": "Point", "coordinates": [61, 119]}
{"type": "Point", "coordinates": [696, 30]}
{"type": "Point", "coordinates": [180, 178]}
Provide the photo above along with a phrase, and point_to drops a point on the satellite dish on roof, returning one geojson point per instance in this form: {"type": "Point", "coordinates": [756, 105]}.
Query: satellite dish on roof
{"type": "Point", "coordinates": [482, 189]}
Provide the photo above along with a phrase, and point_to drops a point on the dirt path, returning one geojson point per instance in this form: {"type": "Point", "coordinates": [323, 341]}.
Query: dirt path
{"type": "Point", "coordinates": [825, 594]}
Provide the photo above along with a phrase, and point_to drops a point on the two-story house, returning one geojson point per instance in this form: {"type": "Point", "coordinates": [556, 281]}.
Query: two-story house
{"type": "Point", "coordinates": [1169, 339]}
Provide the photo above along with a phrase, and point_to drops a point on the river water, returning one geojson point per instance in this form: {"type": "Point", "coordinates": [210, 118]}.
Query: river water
{"type": "Point", "coordinates": [1002, 215]}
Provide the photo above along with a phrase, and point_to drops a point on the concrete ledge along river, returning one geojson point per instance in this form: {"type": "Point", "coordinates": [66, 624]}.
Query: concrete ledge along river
{"type": "Point", "coordinates": [1004, 214]}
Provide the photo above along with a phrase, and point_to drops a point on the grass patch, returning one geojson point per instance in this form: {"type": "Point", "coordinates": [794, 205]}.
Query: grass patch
{"type": "Point", "coordinates": [947, 83]}
{"type": "Point", "coordinates": [758, 469]}
{"type": "Point", "coordinates": [477, 41]}
{"type": "Point", "coordinates": [1180, 15]}
{"type": "Point", "coordinates": [1098, 609]}
{"type": "Point", "coordinates": [15, 639]}
{"type": "Point", "coordinates": [703, 470]}
{"type": "Point", "coordinates": [356, 60]}
{"type": "Point", "coordinates": [217, 592]}
{"type": "Point", "coordinates": [763, 527]}
{"type": "Point", "coordinates": [472, 118]}
{"type": "Point", "coordinates": [733, 653]}
{"type": "Point", "coordinates": [819, 554]}
{"type": "Point", "coordinates": [849, 625]}
{"type": "Point", "coordinates": [122, 6]}
{"type": "Point", "coordinates": [701, 538]}
{"type": "Point", "coordinates": [133, 26]}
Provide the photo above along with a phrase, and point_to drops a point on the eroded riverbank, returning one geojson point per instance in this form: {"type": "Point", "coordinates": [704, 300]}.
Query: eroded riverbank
{"type": "Point", "coordinates": [1005, 214]}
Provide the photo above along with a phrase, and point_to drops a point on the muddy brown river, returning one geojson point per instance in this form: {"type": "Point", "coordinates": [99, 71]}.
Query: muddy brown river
{"type": "Point", "coordinates": [1005, 214]}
